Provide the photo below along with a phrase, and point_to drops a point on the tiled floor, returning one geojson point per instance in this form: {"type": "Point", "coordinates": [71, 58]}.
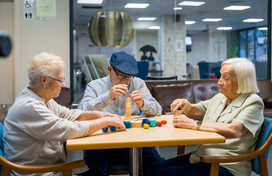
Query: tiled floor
{"type": "Point", "coordinates": [169, 152]}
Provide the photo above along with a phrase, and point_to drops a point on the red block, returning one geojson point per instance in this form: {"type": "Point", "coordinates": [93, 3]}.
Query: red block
{"type": "Point", "coordinates": [163, 121]}
{"type": "Point", "coordinates": [159, 124]}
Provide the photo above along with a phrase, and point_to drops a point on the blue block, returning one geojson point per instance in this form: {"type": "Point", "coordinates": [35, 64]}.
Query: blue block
{"type": "Point", "coordinates": [145, 121]}
{"type": "Point", "coordinates": [128, 124]}
{"type": "Point", "coordinates": [113, 128]}
{"type": "Point", "coordinates": [104, 129]}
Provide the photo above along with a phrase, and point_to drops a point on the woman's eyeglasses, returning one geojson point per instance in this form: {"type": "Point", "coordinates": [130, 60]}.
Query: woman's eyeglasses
{"type": "Point", "coordinates": [59, 80]}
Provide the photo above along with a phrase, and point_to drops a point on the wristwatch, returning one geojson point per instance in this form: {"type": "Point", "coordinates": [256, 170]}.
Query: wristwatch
{"type": "Point", "coordinates": [198, 124]}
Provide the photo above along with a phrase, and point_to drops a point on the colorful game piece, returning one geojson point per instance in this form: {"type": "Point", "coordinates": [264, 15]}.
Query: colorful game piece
{"type": "Point", "coordinates": [145, 121]}
{"type": "Point", "coordinates": [104, 129]}
{"type": "Point", "coordinates": [163, 121]}
{"type": "Point", "coordinates": [159, 124]}
{"type": "Point", "coordinates": [113, 128]}
{"type": "Point", "coordinates": [128, 108]}
{"type": "Point", "coordinates": [146, 126]}
{"type": "Point", "coordinates": [152, 122]}
{"type": "Point", "coordinates": [128, 124]}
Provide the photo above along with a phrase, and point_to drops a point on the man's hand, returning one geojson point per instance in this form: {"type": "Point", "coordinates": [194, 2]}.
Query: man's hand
{"type": "Point", "coordinates": [138, 98]}
{"type": "Point", "coordinates": [118, 90]}
{"type": "Point", "coordinates": [182, 121]}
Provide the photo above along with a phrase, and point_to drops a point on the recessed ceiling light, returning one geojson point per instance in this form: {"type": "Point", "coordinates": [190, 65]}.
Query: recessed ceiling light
{"type": "Point", "coordinates": [224, 28]}
{"type": "Point", "coordinates": [212, 19]}
{"type": "Point", "coordinates": [154, 27]}
{"type": "Point", "coordinates": [136, 5]}
{"type": "Point", "coordinates": [253, 20]}
{"type": "Point", "coordinates": [262, 28]}
{"type": "Point", "coordinates": [89, 1]}
{"type": "Point", "coordinates": [146, 19]}
{"type": "Point", "coordinates": [191, 3]}
{"type": "Point", "coordinates": [236, 7]}
{"type": "Point", "coordinates": [177, 8]}
{"type": "Point", "coordinates": [189, 22]}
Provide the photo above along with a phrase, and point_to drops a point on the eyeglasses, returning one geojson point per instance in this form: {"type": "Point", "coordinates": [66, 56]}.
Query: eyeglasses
{"type": "Point", "coordinates": [124, 77]}
{"type": "Point", "coordinates": [59, 80]}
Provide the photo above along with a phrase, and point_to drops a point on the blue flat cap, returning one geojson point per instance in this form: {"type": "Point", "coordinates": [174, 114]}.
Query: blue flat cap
{"type": "Point", "coordinates": [124, 63]}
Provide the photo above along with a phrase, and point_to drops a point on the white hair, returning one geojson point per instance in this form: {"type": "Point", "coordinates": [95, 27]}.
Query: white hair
{"type": "Point", "coordinates": [43, 64]}
{"type": "Point", "coordinates": [246, 74]}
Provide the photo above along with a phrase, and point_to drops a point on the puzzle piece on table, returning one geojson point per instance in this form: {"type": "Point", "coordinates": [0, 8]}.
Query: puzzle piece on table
{"type": "Point", "coordinates": [104, 129]}
{"type": "Point", "coordinates": [152, 122]}
{"type": "Point", "coordinates": [113, 128]}
{"type": "Point", "coordinates": [128, 124]}
{"type": "Point", "coordinates": [146, 126]}
{"type": "Point", "coordinates": [145, 121]}
{"type": "Point", "coordinates": [136, 124]}
{"type": "Point", "coordinates": [163, 121]}
{"type": "Point", "coordinates": [159, 124]}
{"type": "Point", "coordinates": [128, 108]}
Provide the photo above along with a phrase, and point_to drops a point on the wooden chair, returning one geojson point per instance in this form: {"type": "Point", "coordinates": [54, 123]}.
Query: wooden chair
{"type": "Point", "coordinates": [6, 166]}
{"type": "Point", "coordinates": [258, 157]}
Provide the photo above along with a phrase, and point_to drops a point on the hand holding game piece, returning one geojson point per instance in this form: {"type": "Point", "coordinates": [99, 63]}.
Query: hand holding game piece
{"type": "Point", "coordinates": [118, 90]}
{"type": "Point", "coordinates": [138, 98]}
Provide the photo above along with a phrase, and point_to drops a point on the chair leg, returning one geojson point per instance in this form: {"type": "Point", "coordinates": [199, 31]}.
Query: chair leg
{"type": "Point", "coordinates": [67, 173]}
{"type": "Point", "coordinates": [5, 171]}
{"type": "Point", "coordinates": [181, 150]}
{"type": "Point", "coordinates": [263, 165]}
{"type": "Point", "coordinates": [214, 169]}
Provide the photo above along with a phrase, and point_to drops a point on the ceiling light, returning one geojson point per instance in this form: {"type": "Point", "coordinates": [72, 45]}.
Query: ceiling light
{"type": "Point", "coordinates": [136, 5]}
{"type": "Point", "coordinates": [191, 3]}
{"type": "Point", "coordinates": [154, 27]}
{"type": "Point", "coordinates": [189, 22]}
{"type": "Point", "coordinates": [262, 28]}
{"type": "Point", "coordinates": [224, 28]}
{"type": "Point", "coordinates": [146, 19]}
{"type": "Point", "coordinates": [89, 1]}
{"type": "Point", "coordinates": [177, 8]}
{"type": "Point", "coordinates": [236, 7]}
{"type": "Point", "coordinates": [212, 19]}
{"type": "Point", "coordinates": [253, 20]}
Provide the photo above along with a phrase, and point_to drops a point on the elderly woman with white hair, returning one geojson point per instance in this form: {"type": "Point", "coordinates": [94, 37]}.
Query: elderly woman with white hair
{"type": "Point", "coordinates": [236, 113]}
{"type": "Point", "coordinates": [36, 125]}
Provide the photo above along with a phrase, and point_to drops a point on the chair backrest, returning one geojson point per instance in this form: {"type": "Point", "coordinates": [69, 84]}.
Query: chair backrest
{"type": "Point", "coordinates": [161, 77]}
{"type": "Point", "coordinates": [1, 143]}
{"type": "Point", "coordinates": [265, 132]}
{"type": "Point", "coordinates": [64, 97]}
{"type": "Point", "coordinates": [143, 69]}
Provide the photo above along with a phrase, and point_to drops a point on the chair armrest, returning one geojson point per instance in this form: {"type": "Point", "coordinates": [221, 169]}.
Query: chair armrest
{"type": "Point", "coordinates": [268, 102]}
{"type": "Point", "coordinates": [41, 169]}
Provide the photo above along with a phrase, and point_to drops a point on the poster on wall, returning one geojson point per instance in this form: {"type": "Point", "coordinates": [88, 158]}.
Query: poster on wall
{"type": "Point", "coordinates": [179, 45]}
{"type": "Point", "coordinates": [46, 10]}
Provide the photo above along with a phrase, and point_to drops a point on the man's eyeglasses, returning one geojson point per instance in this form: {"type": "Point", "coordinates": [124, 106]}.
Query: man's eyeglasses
{"type": "Point", "coordinates": [124, 77]}
{"type": "Point", "coordinates": [59, 80]}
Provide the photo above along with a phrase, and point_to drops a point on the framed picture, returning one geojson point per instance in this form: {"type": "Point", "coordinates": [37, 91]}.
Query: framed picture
{"type": "Point", "coordinates": [179, 45]}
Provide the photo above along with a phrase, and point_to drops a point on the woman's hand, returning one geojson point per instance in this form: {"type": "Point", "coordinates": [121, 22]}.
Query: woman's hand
{"type": "Point", "coordinates": [178, 103]}
{"type": "Point", "coordinates": [99, 114]}
{"type": "Point", "coordinates": [116, 121]}
{"type": "Point", "coordinates": [182, 121]}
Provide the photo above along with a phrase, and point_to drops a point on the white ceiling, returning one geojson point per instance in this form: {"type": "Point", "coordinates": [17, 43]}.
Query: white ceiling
{"type": "Point", "coordinates": [156, 8]}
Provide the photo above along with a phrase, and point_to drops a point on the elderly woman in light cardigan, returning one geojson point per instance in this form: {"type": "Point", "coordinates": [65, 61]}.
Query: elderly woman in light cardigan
{"type": "Point", "coordinates": [236, 113]}
{"type": "Point", "coordinates": [36, 125]}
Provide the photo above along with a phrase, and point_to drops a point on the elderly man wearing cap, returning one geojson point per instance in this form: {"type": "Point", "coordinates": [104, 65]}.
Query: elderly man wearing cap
{"type": "Point", "coordinates": [108, 94]}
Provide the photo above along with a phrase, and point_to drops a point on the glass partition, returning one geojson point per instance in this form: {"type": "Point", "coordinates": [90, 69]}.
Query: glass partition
{"type": "Point", "coordinates": [182, 41]}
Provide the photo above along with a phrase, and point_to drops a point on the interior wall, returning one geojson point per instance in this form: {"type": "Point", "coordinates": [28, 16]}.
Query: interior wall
{"type": "Point", "coordinates": [33, 37]}
{"type": "Point", "coordinates": [145, 37]}
{"type": "Point", "coordinates": [209, 47]}
{"type": "Point", "coordinates": [6, 63]}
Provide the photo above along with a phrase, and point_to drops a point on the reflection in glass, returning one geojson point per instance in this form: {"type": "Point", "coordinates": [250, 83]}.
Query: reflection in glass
{"type": "Point", "coordinates": [250, 44]}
